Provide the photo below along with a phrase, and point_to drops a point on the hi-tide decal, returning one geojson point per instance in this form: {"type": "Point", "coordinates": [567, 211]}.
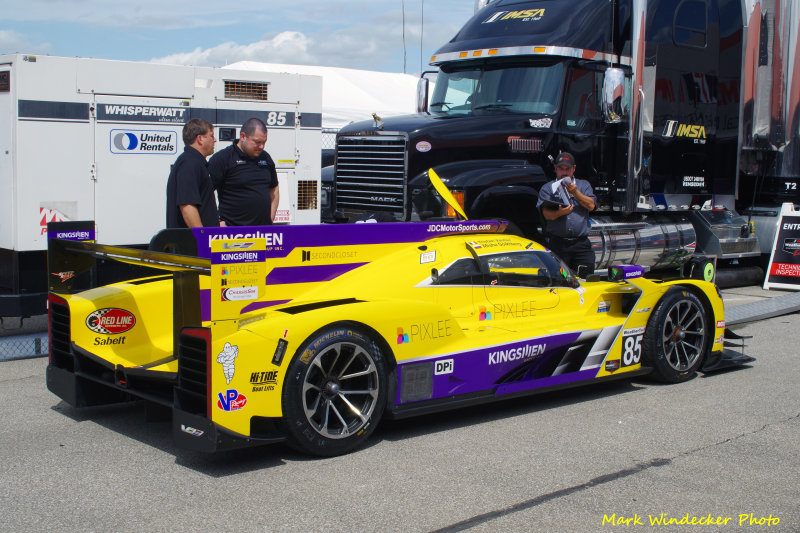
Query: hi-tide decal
{"type": "Point", "coordinates": [238, 275]}
{"type": "Point", "coordinates": [143, 142]}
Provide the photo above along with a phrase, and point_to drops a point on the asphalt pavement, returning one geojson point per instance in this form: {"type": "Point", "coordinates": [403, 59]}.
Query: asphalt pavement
{"type": "Point", "coordinates": [721, 448]}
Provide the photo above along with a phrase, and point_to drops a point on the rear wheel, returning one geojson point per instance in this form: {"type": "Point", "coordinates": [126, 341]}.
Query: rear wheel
{"type": "Point", "coordinates": [677, 336]}
{"type": "Point", "coordinates": [334, 392]}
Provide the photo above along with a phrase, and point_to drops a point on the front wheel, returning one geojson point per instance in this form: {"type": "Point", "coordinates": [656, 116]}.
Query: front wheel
{"type": "Point", "coordinates": [334, 392]}
{"type": "Point", "coordinates": [677, 336]}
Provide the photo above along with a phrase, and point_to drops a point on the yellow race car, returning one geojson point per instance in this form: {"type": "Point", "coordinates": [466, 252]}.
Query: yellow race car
{"type": "Point", "coordinates": [312, 334]}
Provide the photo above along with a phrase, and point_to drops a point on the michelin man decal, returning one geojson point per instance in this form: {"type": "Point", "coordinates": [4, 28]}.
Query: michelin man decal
{"type": "Point", "coordinates": [226, 358]}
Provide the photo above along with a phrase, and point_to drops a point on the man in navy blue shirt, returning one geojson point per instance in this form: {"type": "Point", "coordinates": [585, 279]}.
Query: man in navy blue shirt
{"type": "Point", "coordinates": [565, 204]}
{"type": "Point", "coordinates": [245, 178]}
{"type": "Point", "coordinates": [190, 193]}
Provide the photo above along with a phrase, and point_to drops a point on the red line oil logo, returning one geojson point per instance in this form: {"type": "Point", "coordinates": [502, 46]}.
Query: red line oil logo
{"type": "Point", "coordinates": [110, 321]}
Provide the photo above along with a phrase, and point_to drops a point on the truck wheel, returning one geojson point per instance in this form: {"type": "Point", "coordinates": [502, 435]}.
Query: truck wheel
{"type": "Point", "coordinates": [334, 392]}
{"type": "Point", "coordinates": [676, 338]}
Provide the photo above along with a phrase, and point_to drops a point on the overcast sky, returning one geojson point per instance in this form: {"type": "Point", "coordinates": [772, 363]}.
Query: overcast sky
{"type": "Point", "coordinates": [363, 34]}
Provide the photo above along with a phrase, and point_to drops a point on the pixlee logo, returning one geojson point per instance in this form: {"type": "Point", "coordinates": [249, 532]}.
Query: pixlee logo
{"type": "Point", "coordinates": [110, 321]}
{"type": "Point", "coordinates": [143, 142]}
{"type": "Point", "coordinates": [425, 331]}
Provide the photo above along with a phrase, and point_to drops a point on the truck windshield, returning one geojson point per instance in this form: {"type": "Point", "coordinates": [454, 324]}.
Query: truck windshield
{"type": "Point", "coordinates": [513, 89]}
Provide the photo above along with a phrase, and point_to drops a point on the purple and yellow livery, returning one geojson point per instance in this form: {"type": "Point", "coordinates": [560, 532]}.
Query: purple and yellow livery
{"type": "Point", "coordinates": [312, 333]}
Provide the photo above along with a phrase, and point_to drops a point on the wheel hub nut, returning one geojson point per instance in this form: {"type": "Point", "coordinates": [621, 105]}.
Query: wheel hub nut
{"type": "Point", "coordinates": [332, 389]}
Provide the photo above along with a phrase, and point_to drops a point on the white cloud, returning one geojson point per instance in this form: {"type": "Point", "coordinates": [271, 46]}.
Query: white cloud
{"type": "Point", "coordinates": [344, 48]}
{"type": "Point", "coordinates": [286, 47]}
{"type": "Point", "coordinates": [371, 44]}
{"type": "Point", "coordinates": [11, 42]}
{"type": "Point", "coordinates": [364, 34]}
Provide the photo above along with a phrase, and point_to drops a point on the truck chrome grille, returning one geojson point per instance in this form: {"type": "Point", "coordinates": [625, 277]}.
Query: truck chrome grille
{"type": "Point", "coordinates": [525, 146]}
{"type": "Point", "coordinates": [371, 174]}
{"type": "Point", "coordinates": [739, 246]}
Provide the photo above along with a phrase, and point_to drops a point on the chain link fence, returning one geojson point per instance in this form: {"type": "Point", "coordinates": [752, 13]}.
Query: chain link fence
{"type": "Point", "coordinates": [329, 138]}
{"type": "Point", "coordinates": [21, 338]}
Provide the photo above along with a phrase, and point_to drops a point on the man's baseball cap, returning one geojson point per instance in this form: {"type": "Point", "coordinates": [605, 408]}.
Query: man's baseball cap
{"type": "Point", "coordinates": [565, 158]}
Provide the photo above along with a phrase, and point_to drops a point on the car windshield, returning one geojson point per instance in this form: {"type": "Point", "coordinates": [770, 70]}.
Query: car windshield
{"type": "Point", "coordinates": [511, 89]}
{"type": "Point", "coordinates": [529, 268]}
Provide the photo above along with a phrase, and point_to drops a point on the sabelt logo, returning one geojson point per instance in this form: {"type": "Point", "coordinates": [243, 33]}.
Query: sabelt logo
{"type": "Point", "coordinates": [232, 294]}
{"type": "Point", "coordinates": [110, 321]}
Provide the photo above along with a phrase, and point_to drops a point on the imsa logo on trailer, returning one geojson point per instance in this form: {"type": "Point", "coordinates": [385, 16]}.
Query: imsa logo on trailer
{"type": "Point", "coordinates": [143, 142]}
{"type": "Point", "coordinates": [673, 128]}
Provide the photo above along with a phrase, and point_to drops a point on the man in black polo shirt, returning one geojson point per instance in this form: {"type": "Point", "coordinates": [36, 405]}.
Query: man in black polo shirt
{"type": "Point", "coordinates": [190, 193]}
{"type": "Point", "coordinates": [245, 178]}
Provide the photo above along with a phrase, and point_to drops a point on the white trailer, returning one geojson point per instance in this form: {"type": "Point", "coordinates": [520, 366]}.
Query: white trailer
{"type": "Point", "coordinates": [89, 139]}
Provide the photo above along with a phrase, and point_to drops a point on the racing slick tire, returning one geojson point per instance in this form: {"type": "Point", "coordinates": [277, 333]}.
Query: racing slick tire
{"type": "Point", "coordinates": [676, 339]}
{"type": "Point", "coordinates": [334, 392]}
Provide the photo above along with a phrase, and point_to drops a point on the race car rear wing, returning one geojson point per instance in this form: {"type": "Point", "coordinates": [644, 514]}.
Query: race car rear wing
{"type": "Point", "coordinates": [72, 254]}
{"type": "Point", "coordinates": [242, 262]}
{"type": "Point", "coordinates": [72, 264]}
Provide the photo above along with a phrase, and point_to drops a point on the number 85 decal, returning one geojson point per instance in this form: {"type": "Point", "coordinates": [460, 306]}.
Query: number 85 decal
{"type": "Point", "coordinates": [632, 346]}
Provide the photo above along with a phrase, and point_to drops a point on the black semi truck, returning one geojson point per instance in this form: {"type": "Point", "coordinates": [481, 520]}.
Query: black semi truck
{"type": "Point", "coordinates": [683, 114]}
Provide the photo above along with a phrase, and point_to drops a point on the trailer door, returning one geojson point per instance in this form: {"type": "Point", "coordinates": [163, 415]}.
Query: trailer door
{"type": "Point", "coordinates": [7, 121]}
{"type": "Point", "coordinates": [136, 140]}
